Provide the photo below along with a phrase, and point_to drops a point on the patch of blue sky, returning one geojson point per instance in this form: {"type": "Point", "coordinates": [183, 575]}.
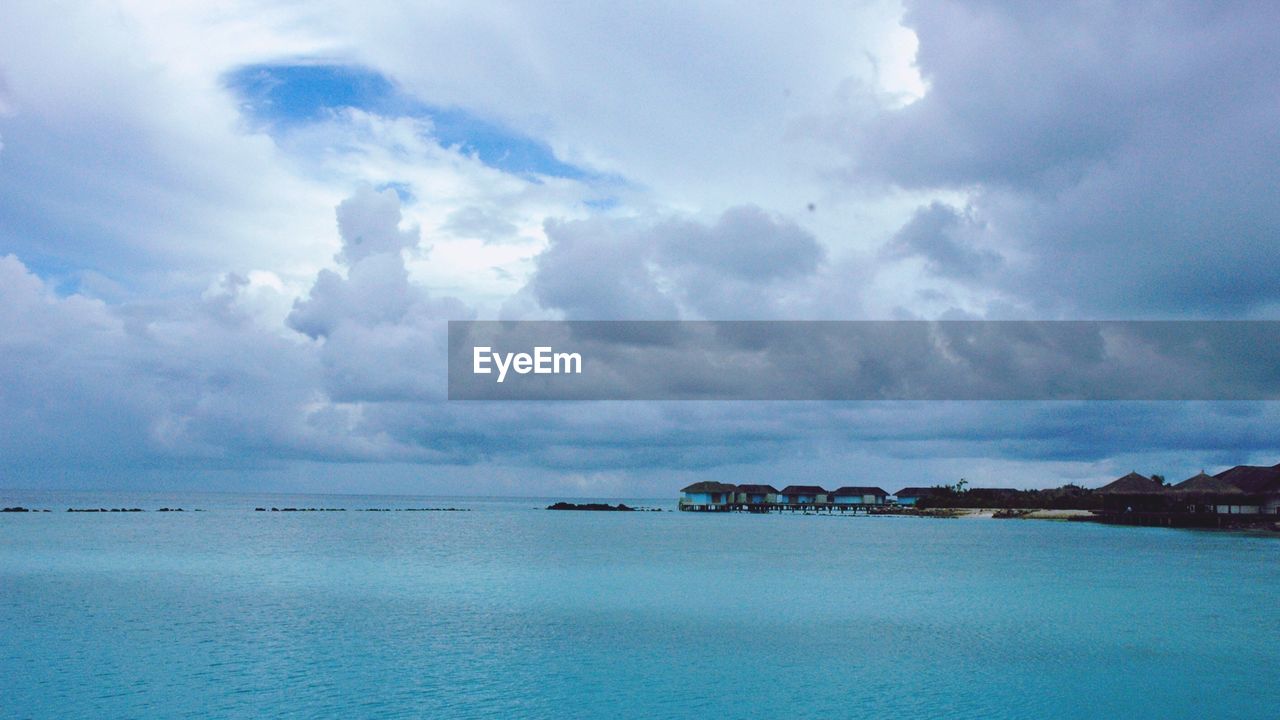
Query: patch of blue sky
{"type": "Point", "coordinates": [403, 191]}
{"type": "Point", "coordinates": [602, 203]}
{"type": "Point", "coordinates": [283, 96]}
{"type": "Point", "coordinates": [59, 274]}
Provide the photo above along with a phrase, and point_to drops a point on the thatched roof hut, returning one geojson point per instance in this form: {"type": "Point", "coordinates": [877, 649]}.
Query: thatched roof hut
{"type": "Point", "coordinates": [1202, 484]}
{"type": "Point", "coordinates": [1132, 484]}
{"type": "Point", "coordinates": [1135, 492]}
{"type": "Point", "coordinates": [1253, 479]}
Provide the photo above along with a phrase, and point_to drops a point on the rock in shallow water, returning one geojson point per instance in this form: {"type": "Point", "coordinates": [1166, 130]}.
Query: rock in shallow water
{"type": "Point", "coordinates": [590, 506]}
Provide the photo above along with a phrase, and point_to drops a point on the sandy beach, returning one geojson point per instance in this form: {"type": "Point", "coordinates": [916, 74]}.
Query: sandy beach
{"type": "Point", "coordinates": [1056, 514]}
{"type": "Point", "coordinates": [1030, 513]}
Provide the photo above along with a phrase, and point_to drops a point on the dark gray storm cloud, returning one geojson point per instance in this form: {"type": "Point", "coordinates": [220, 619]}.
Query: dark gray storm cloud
{"type": "Point", "coordinates": [1127, 151]}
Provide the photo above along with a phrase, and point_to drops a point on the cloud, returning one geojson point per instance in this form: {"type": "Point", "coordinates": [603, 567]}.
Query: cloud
{"type": "Point", "coordinates": [1120, 153]}
{"type": "Point", "coordinates": [742, 265]}
{"type": "Point", "coordinates": [966, 360]}
{"type": "Point", "coordinates": [745, 242]}
{"type": "Point", "coordinates": [369, 225]}
{"type": "Point", "coordinates": [942, 237]}
{"type": "Point", "coordinates": [489, 224]}
{"type": "Point", "coordinates": [695, 106]}
{"type": "Point", "coordinates": [381, 335]}
{"type": "Point", "coordinates": [107, 387]}
{"type": "Point", "coordinates": [122, 162]}
{"type": "Point", "coordinates": [171, 179]}
{"type": "Point", "coordinates": [5, 106]}
{"type": "Point", "coordinates": [598, 269]}
{"type": "Point", "coordinates": [98, 392]}
{"type": "Point", "coordinates": [284, 96]}
{"type": "Point", "coordinates": [169, 174]}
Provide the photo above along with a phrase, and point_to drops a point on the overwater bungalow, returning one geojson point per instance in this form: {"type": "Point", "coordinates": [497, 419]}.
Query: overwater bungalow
{"type": "Point", "coordinates": [707, 495]}
{"type": "Point", "coordinates": [1243, 494]}
{"type": "Point", "coordinates": [1259, 484]}
{"type": "Point", "coordinates": [802, 496]}
{"type": "Point", "coordinates": [1202, 493]}
{"type": "Point", "coordinates": [859, 495]}
{"type": "Point", "coordinates": [911, 495]}
{"type": "Point", "coordinates": [1206, 493]}
{"type": "Point", "coordinates": [756, 495]}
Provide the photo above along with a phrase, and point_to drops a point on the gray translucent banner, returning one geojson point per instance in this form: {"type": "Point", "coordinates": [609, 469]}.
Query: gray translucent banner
{"type": "Point", "coordinates": [874, 360]}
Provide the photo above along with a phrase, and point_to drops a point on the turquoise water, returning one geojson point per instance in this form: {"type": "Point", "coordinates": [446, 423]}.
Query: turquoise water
{"type": "Point", "coordinates": [512, 611]}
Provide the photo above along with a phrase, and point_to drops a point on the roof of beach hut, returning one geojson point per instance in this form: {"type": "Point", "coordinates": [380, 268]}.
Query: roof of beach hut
{"type": "Point", "coordinates": [1253, 478]}
{"type": "Point", "coordinates": [802, 490]}
{"type": "Point", "coordinates": [859, 490]}
{"type": "Point", "coordinates": [709, 486]}
{"type": "Point", "coordinates": [761, 489]}
{"type": "Point", "coordinates": [1132, 484]}
{"type": "Point", "coordinates": [915, 491]}
{"type": "Point", "coordinates": [1207, 484]}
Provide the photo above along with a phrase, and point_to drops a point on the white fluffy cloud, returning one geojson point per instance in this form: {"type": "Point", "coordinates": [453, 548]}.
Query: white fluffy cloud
{"type": "Point", "coordinates": [90, 385]}
{"type": "Point", "coordinates": [744, 265]}
{"type": "Point", "coordinates": [381, 336]}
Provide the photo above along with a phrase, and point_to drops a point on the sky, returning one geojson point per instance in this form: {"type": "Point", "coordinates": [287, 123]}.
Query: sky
{"type": "Point", "coordinates": [231, 234]}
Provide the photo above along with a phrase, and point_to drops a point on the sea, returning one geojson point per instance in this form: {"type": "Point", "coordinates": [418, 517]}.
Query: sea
{"type": "Point", "coordinates": [507, 610]}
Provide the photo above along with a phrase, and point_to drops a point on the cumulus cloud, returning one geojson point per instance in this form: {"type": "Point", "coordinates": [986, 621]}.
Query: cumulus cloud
{"type": "Point", "coordinates": [1122, 151]}
{"type": "Point", "coordinates": [97, 392]}
{"type": "Point", "coordinates": [599, 269]}
{"type": "Point", "coordinates": [381, 335]}
{"type": "Point", "coordinates": [369, 224]}
{"type": "Point", "coordinates": [107, 387]}
{"type": "Point", "coordinates": [943, 237]}
{"type": "Point", "coordinates": [744, 264]}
